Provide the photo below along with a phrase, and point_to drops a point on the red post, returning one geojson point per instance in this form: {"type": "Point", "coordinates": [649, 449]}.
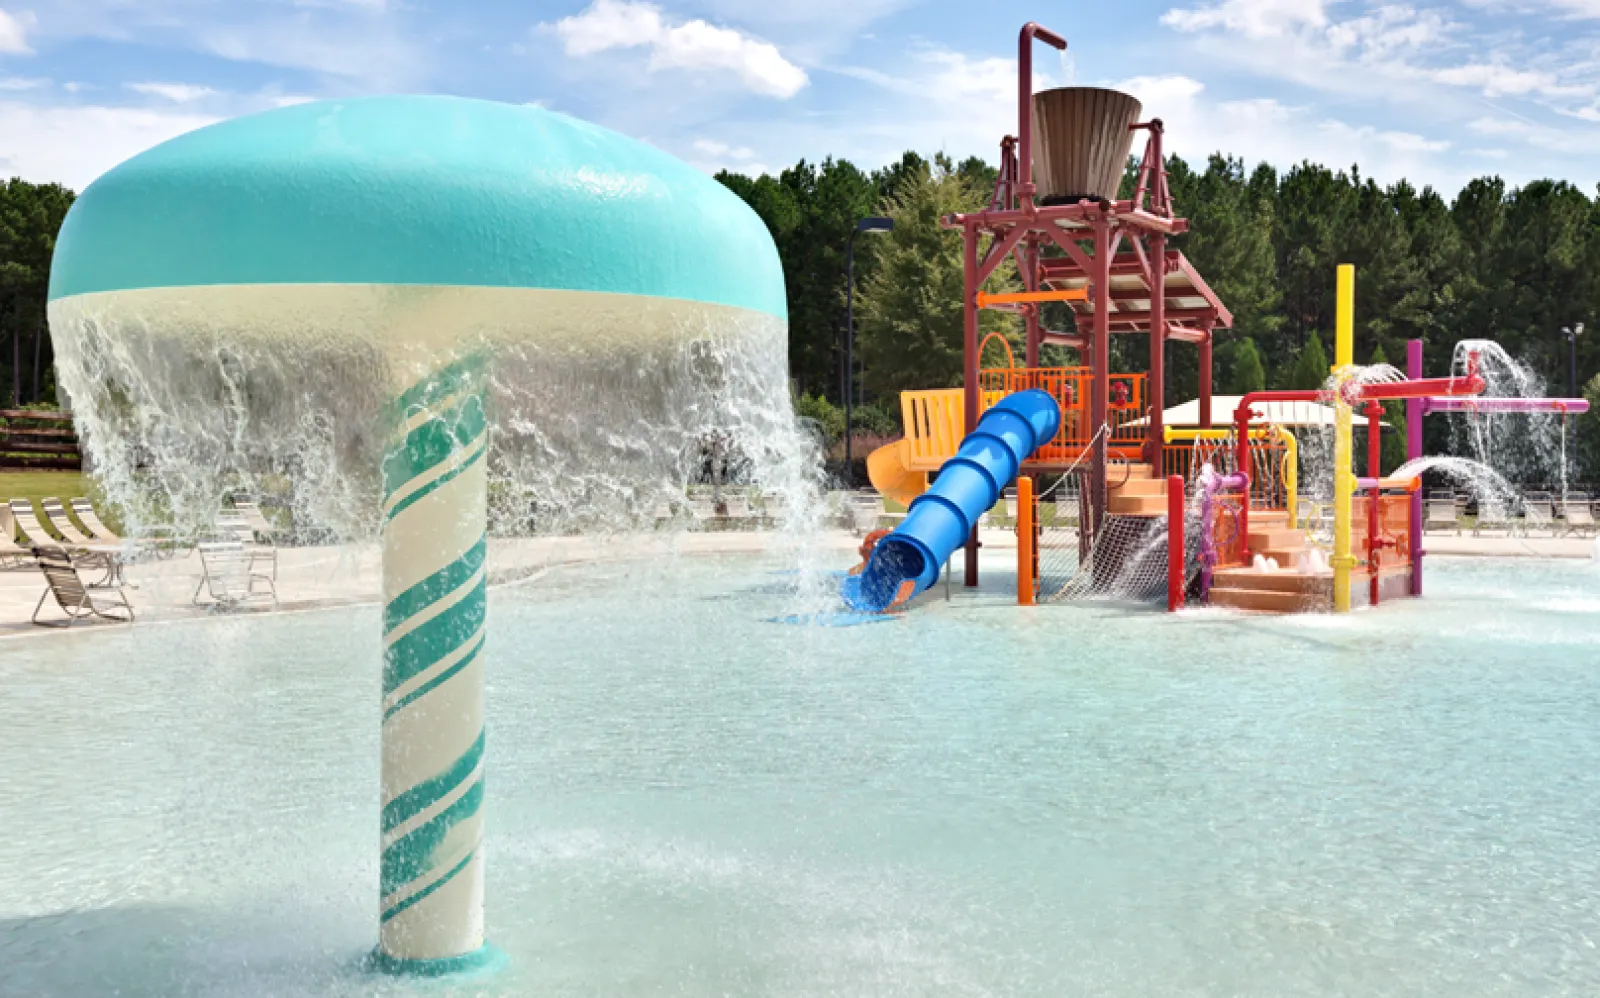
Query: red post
{"type": "Point", "coordinates": [1100, 379]}
{"type": "Point", "coordinates": [1176, 543]}
{"type": "Point", "coordinates": [969, 363]}
{"type": "Point", "coordinates": [1030, 31]}
{"type": "Point", "coordinates": [1029, 258]}
{"type": "Point", "coordinates": [1158, 348]}
{"type": "Point", "coordinates": [1205, 382]}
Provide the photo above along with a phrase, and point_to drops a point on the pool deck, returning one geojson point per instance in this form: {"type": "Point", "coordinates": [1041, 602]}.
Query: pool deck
{"type": "Point", "coordinates": [311, 578]}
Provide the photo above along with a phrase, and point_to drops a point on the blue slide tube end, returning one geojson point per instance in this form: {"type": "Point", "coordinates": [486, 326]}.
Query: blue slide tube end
{"type": "Point", "coordinates": [968, 484]}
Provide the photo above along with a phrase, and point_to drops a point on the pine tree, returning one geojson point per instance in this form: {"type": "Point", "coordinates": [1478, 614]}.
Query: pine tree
{"type": "Point", "coordinates": [1244, 373]}
{"type": "Point", "coordinates": [1310, 368]}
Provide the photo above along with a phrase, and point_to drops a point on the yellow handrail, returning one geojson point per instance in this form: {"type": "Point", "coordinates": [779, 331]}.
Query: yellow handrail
{"type": "Point", "coordinates": [1291, 456]}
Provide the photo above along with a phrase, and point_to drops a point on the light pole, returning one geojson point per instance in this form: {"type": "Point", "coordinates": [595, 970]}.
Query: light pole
{"type": "Point", "coordinates": [1572, 334]}
{"type": "Point", "coordinates": [873, 223]}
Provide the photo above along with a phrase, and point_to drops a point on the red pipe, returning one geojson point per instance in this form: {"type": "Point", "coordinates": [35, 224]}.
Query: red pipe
{"type": "Point", "coordinates": [1241, 424]}
{"type": "Point", "coordinates": [1472, 384]}
{"type": "Point", "coordinates": [1176, 544]}
{"type": "Point", "coordinates": [1030, 31]}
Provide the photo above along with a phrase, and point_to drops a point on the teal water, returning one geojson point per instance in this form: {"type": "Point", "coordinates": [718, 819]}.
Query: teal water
{"type": "Point", "coordinates": [685, 799]}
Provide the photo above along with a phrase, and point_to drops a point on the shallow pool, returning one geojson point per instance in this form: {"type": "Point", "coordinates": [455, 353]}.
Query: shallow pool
{"type": "Point", "coordinates": [974, 800]}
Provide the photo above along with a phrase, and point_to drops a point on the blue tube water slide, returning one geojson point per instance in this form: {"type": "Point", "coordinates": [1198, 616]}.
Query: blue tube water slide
{"type": "Point", "coordinates": [969, 484]}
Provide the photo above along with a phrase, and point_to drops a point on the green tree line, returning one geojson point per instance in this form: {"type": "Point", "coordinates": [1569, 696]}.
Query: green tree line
{"type": "Point", "coordinates": [30, 217]}
{"type": "Point", "coordinates": [1514, 265]}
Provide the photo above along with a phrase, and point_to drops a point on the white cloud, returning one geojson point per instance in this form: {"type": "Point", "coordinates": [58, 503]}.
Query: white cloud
{"type": "Point", "coordinates": [722, 150]}
{"type": "Point", "coordinates": [1495, 80]}
{"type": "Point", "coordinates": [23, 83]}
{"type": "Point", "coordinates": [76, 86]}
{"type": "Point", "coordinates": [14, 32]}
{"type": "Point", "coordinates": [178, 93]}
{"type": "Point", "coordinates": [692, 45]}
{"type": "Point", "coordinates": [1251, 18]}
{"type": "Point", "coordinates": [1266, 129]}
{"type": "Point", "coordinates": [73, 145]}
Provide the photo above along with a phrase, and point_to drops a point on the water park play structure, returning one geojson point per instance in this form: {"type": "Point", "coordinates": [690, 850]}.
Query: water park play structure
{"type": "Point", "coordinates": [1065, 235]}
{"type": "Point", "coordinates": [329, 294]}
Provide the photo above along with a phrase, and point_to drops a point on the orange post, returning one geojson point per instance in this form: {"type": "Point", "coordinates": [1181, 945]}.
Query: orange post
{"type": "Point", "coordinates": [1025, 564]}
{"type": "Point", "coordinates": [1177, 544]}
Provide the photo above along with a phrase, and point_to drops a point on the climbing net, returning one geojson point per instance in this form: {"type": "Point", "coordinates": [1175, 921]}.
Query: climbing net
{"type": "Point", "coordinates": [1127, 560]}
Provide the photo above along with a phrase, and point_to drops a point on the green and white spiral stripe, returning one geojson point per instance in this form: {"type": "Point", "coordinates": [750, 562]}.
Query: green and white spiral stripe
{"type": "Point", "coordinates": [435, 603]}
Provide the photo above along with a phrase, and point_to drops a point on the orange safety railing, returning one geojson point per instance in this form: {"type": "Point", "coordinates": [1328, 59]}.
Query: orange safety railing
{"type": "Point", "coordinates": [1394, 526]}
{"type": "Point", "coordinates": [1226, 535]}
{"type": "Point", "coordinates": [1070, 386]}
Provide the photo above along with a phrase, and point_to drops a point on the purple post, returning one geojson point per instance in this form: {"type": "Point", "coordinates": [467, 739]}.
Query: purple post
{"type": "Point", "coordinates": [1414, 411]}
{"type": "Point", "coordinates": [1210, 484]}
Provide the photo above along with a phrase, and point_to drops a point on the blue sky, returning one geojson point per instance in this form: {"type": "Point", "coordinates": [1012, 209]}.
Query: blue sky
{"type": "Point", "coordinates": [1437, 93]}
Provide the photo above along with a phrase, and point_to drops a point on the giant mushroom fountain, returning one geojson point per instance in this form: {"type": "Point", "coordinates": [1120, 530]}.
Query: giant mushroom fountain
{"type": "Point", "coordinates": [399, 303]}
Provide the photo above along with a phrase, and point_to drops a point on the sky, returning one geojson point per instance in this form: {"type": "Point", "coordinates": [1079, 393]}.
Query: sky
{"type": "Point", "coordinates": [1435, 93]}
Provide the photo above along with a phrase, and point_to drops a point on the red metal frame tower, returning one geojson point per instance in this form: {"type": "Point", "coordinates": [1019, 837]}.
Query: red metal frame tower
{"type": "Point", "coordinates": [1145, 288]}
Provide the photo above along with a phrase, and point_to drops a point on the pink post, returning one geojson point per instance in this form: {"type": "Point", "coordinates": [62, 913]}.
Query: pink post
{"type": "Point", "coordinates": [1414, 411]}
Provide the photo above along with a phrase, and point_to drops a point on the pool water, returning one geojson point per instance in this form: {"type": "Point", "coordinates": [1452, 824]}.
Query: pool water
{"type": "Point", "coordinates": [976, 799]}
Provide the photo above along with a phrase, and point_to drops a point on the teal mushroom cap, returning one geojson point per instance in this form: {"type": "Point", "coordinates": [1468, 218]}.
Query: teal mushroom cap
{"type": "Point", "coordinates": [407, 190]}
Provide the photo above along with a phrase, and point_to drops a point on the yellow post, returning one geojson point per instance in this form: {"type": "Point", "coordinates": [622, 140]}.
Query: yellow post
{"type": "Point", "coordinates": [1344, 480]}
{"type": "Point", "coordinates": [1024, 541]}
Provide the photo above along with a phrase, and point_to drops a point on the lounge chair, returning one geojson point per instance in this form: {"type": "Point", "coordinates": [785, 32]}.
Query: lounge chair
{"type": "Point", "coordinates": [1578, 514]}
{"type": "Point", "coordinates": [229, 576]}
{"type": "Point", "coordinates": [1441, 514]}
{"type": "Point", "coordinates": [259, 525]}
{"type": "Point", "coordinates": [77, 599]}
{"type": "Point", "coordinates": [1538, 513]}
{"type": "Point", "coordinates": [774, 508]}
{"type": "Point", "coordinates": [84, 510]}
{"type": "Point", "coordinates": [56, 516]}
{"type": "Point", "coordinates": [738, 506]}
{"type": "Point", "coordinates": [233, 525]}
{"type": "Point", "coordinates": [866, 510]}
{"type": "Point", "coordinates": [35, 534]}
{"type": "Point", "coordinates": [1491, 516]}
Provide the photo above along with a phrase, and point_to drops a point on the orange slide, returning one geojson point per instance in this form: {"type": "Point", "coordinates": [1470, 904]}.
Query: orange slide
{"type": "Point", "coordinates": [888, 470]}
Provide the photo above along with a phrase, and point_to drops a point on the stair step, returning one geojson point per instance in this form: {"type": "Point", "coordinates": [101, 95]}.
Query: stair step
{"type": "Point", "coordinates": [1115, 471]}
{"type": "Point", "coordinates": [1286, 581]}
{"type": "Point", "coordinates": [1275, 537]}
{"type": "Point", "coordinates": [1125, 505]}
{"type": "Point", "coordinates": [1285, 557]}
{"type": "Point", "coordinates": [1140, 487]}
{"type": "Point", "coordinates": [1269, 518]}
{"type": "Point", "coordinates": [1263, 600]}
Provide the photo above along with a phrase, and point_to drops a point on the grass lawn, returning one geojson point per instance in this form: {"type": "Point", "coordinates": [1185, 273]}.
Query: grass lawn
{"type": "Point", "coordinates": [36, 485]}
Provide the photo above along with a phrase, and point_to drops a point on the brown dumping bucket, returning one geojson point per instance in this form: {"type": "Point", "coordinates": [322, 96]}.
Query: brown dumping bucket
{"type": "Point", "coordinates": [1081, 142]}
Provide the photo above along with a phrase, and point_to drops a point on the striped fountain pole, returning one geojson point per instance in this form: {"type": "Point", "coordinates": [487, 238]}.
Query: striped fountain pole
{"type": "Point", "coordinates": [435, 601]}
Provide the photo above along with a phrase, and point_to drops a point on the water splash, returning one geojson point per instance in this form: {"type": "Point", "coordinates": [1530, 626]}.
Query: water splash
{"type": "Point", "coordinates": [598, 421]}
{"type": "Point", "coordinates": [1525, 447]}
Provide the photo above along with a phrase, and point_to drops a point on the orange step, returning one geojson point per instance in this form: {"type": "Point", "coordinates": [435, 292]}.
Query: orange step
{"type": "Point", "coordinates": [1264, 600]}
{"type": "Point", "coordinates": [1137, 505]}
{"type": "Point", "coordinates": [1250, 578]}
{"type": "Point", "coordinates": [1140, 487]}
{"type": "Point", "coordinates": [1264, 538]}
